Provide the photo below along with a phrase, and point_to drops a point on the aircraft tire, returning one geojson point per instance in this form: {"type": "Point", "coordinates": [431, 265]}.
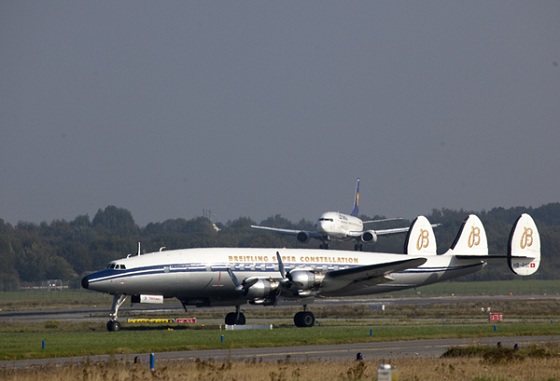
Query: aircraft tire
{"type": "Point", "coordinates": [241, 320]}
{"type": "Point", "coordinates": [232, 319]}
{"type": "Point", "coordinates": [113, 326]}
{"type": "Point", "coordinates": [304, 319]}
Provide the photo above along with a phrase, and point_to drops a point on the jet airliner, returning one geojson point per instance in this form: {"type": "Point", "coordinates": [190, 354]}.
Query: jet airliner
{"type": "Point", "coordinates": [209, 277]}
{"type": "Point", "coordinates": [339, 226]}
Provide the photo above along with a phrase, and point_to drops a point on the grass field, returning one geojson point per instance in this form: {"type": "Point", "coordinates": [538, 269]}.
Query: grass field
{"type": "Point", "coordinates": [24, 345]}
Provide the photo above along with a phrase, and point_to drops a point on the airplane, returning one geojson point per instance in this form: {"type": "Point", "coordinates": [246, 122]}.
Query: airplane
{"type": "Point", "coordinates": [207, 277]}
{"type": "Point", "coordinates": [339, 226]}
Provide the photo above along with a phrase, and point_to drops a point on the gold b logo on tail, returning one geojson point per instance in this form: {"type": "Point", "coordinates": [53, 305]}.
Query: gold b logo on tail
{"type": "Point", "coordinates": [423, 239]}
{"type": "Point", "coordinates": [474, 237]}
{"type": "Point", "coordinates": [526, 238]}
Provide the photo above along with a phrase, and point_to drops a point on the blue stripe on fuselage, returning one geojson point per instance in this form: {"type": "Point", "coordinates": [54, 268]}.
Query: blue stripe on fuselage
{"type": "Point", "coordinates": [113, 274]}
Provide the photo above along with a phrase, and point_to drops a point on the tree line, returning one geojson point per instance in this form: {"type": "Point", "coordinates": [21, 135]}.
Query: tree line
{"type": "Point", "coordinates": [67, 250]}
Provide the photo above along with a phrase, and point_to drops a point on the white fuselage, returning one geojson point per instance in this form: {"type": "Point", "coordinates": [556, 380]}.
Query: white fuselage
{"type": "Point", "coordinates": [200, 276]}
{"type": "Point", "coordinates": [339, 225]}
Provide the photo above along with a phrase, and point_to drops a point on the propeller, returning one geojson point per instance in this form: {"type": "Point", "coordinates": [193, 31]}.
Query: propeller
{"type": "Point", "coordinates": [244, 286]}
{"type": "Point", "coordinates": [241, 286]}
{"type": "Point", "coordinates": [284, 280]}
{"type": "Point", "coordinates": [238, 285]}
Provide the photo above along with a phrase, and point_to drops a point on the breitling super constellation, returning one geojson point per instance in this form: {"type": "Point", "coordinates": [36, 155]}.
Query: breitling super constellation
{"type": "Point", "coordinates": [339, 226]}
{"type": "Point", "coordinates": [209, 277]}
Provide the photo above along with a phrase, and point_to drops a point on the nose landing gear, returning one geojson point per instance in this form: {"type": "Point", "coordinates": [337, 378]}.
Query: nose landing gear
{"type": "Point", "coordinates": [113, 325]}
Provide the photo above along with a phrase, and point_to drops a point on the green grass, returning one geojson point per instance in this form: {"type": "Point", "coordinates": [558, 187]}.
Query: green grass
{"type": "Point", "coordinates": [59, 343]}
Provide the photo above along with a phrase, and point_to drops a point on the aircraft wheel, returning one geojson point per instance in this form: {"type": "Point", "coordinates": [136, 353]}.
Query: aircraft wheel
{"type": "Point", "coordinates": [232, 319]}
{"type": "Point", "coordinates": [241, 320]}
{"type": "Point", "coordinates": [304, 319]}
{"type": "Point", "coordinates": [113, 326]}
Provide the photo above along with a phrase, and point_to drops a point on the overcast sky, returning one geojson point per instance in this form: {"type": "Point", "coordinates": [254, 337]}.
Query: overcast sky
{"type": "Point", "coordinates": [251, 108]}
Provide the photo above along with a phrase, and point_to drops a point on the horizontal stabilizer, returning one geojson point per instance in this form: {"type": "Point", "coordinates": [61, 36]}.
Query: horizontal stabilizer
{"type": "Point", "coordinates": [524, 249]}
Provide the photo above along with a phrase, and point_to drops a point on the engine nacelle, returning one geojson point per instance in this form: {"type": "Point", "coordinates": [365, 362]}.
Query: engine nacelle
{"type": "Point", "coordinates": [302, 237]}
{"type": "Point", "coordinates": [369, 236]}
{"type": "Point", "coordinates": [305, 280]}
{"type": "Point", "coordinates": [261, 289]}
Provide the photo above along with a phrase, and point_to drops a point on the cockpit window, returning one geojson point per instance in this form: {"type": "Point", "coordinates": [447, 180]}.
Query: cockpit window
{"type": "Point", "coordinates": [114, 266]}
{"type": "Point", "coordinates": [326, 219]}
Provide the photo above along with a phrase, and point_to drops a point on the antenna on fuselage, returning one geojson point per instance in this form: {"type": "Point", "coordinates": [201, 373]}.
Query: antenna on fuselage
{"type": "Point", "coordinates": [139, 248]}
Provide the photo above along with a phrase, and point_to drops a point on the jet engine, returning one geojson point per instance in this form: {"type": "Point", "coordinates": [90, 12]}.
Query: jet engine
{"type": "Point", "coordinates": [369, 236]}
{"type": "Point", "coordinates": [302, 237]}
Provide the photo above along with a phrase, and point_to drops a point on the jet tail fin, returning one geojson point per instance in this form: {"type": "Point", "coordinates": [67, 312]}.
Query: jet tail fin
{"type": "Point", "coordinates": [356, 208]}
{"type": "Point", "coordinates": [471, 239]}
{"type": "Point", "coordinates": [524, 248]}
{"type": "Point", "coordinates": [420, 239]}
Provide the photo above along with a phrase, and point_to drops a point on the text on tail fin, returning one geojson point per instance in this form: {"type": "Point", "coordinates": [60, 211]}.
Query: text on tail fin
{"type": "Point", "coordinates": [471, 239]}
{"type": "Point", "coordinates": [420, 239]}
{"type": "Point", "coordinates": [524, 248]}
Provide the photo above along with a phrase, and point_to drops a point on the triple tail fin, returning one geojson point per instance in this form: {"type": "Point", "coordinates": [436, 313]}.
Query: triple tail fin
{"type": "Point", "coordinates": [356, 208]}
{"type": "Point", "coordinates": [524, 248]}
{"type": "Point", "coordinates": [471, 239]}
{"type": "Point", "coordinates": [420, 239]}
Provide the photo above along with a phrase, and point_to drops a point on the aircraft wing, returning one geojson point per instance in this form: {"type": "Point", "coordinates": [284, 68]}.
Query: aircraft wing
{"type": "Point", "coordinates": [380, 272]}
{"type": "Point", "coordinates": [383, 220]}
{"type": "Point", "coordinates": [311, 233]}
{"type": "Point", "coordinates": [397, 230]}
{"type": "Point", "coordinates": [392, 231]}
{"type": "Point", "coordinates": [358, 233]}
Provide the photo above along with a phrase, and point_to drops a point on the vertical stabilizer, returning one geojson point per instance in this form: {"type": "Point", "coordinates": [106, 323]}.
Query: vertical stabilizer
{"type": "Point", "coordinates": [356, 208]}
{"type": "Point", "coordinates": [524, 249]}
{"type": "Point", "coordinates": [471, 239]}
{"type": "Point", "coordinates": [420, 239]}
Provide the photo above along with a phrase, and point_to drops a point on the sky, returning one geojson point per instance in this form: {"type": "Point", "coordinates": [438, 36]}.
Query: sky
{"type": "Point", "coordinates": [252, 109]}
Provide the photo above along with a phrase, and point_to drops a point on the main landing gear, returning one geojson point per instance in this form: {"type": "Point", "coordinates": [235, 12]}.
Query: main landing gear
{"type": "Point", "coordinates": [235, 318]}
{"type": "Point", "coordinates": [358, 247]}
{"type": "Point", "coordinates": [113, 325]}
{"type": "Point", "coordinates": [304, 319]}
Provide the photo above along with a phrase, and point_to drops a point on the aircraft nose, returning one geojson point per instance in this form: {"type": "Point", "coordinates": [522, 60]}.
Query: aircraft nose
{"type": "Point", "coordinates": [85, 282]}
